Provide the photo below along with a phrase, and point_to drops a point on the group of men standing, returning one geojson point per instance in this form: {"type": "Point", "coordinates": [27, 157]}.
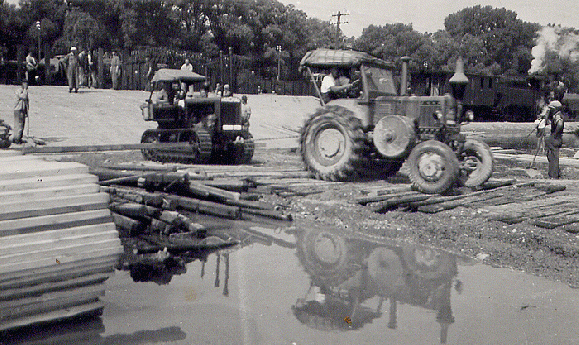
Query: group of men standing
{"type": "Point", "coordinates": [81, 69]}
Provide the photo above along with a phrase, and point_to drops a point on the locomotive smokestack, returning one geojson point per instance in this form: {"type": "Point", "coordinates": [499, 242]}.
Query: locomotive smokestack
{"type": "Point", "coordinates": [404, 76]}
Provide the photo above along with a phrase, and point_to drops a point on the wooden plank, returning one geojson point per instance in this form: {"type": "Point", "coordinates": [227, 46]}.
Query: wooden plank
{"type": "Point", "coordinates": [101, 148]}
{"type": "Point", "coordinates": [572, 228]}
{"type": "Point", "coordinates": [52, 235]}
{"type": "Point", "coordinates": [21, 292]}
{"type": "Point", "coordinates": [88, 202]}
{"type": "Point", "coordinates": [46, 182]}
{"type": "Point", "coordinates": [7, 226]}
{"type": "Point", "coordinates": [56, 315]}
{"type": "Point", "coordinates": [39, 168]}
{"type": "Point", "coordinates": [13, 309]}
{"type": "Point", "coordinates": [551, 222]}
{"type": "Point", "coordinates": [57, 249]}
{"type": "Point", "coordinates": [92, 250]}
{"type": "Point", "coordinates": [46, 193]}
{"type": "Point", "coordinates": [55, 272]}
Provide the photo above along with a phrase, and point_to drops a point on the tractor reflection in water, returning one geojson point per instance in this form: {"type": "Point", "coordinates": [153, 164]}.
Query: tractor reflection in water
{"type": "Point", "coordinates": [348, 270]}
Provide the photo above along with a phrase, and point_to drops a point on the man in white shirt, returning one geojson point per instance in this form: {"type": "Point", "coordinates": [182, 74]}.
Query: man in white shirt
{"type": "Point", "coordinates": [329, 88]}
{"type": "Point", "coordinates": [187, 66]}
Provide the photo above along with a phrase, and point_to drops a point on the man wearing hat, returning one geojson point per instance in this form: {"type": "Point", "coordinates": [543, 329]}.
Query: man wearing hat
{"type": "Point", "coordinates": [71, 61]}
{"type": "Point", "coordinates": [20, 112]}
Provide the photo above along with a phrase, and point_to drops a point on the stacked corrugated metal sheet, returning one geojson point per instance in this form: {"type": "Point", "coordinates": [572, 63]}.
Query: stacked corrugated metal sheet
{"type": "Point", "coordinates": [58, 243]}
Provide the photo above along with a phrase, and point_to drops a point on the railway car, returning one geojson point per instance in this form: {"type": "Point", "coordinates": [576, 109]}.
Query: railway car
{"type": "Point", "coordinates": [491, 98]}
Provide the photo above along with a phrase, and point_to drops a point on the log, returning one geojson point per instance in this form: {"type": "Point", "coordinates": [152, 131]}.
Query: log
{"type": "Point", "coordinates": [140, 167]}
{"type": "Point", "coordinates": [135, 210]}
{"type": "Point", "coordinates": [267, 213]}
{"type": "Point", "coordinates": [398, 201]}
{"type": "Point", "coordinates": [204, 191]}
{"type": "Point", "coordinates": [230, 184]}
{"type": "Point", "coordinates": [110, 174]}
{"type": "Point", "coordinates": [177, 220]}
{"type": "Point", "coordinates": [128, 227]}
{"type": "Point", "coordinates": [492, 184]}
{"type": "Point", "coordinates": [383, 197]}
{"type": "Point", "coordinates": [136, 195]}
{"type": "Point", "coordinates": [180, 245]}
{"type": "Point", "coordinates": [205, 207]}
{"type": "Point", "coordinates": [250, 204]}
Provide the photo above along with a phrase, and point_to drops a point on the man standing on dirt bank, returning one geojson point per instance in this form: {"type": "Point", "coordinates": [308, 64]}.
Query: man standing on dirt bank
{"type": "Point", "coordinates": [20, 112]}
{"type": "Point", "coordinates": [555, 140]}
{"type": "Point", "coordinates": [71, 61]}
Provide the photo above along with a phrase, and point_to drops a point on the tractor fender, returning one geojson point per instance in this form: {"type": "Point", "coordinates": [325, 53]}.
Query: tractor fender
{"type": "Point", "coordinates": [360, 111]}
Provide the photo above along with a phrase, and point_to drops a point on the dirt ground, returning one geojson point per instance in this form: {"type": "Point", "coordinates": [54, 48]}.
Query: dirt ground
{"type": "Point", "coordinates": [109, 117]}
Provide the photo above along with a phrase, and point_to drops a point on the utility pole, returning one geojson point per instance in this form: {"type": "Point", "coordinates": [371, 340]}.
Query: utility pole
{"type": "Point", "coordinates": [39, 28]}
{"type": "Point", "coordinates": [338, 21]}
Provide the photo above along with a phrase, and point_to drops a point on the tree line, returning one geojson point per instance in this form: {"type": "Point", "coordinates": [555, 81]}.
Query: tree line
{"type": "Point", "coordinates": [492, 41]}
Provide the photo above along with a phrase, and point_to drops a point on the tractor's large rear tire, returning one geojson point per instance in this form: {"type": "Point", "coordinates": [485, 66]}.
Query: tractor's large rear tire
{"type": "Point", "coordinates": [476, 163]}
{"type": "Point", "coordinates": [434, 167]}
{"type": "Point", "coordinates": [332, 144]}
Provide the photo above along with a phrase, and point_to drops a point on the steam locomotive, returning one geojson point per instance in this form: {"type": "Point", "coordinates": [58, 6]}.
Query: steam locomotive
{"type": "Point", "coordinates": [495, 98]}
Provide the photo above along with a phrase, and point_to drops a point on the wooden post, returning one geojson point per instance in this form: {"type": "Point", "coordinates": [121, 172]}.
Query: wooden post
{"type": "Point", "coordinates": [217, 269]}
{"type": "Point", "coordinates": [47, 71]}
{"type": "Point", "coordinates": [19, 62]}
{"type": "Point", "coordinates": [231, 69]}
{"type": "Point", "coordinates": [100, 68]}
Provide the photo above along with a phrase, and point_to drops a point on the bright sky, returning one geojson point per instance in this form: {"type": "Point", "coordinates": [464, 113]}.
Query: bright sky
{"type": "Point", "coordinates": [429, 15]}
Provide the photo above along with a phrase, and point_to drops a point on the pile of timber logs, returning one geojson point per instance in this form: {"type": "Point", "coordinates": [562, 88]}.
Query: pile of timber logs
{"type": "Point", "coordinates": [57, 238]}
{"type": "Point", "coordinates": [156, 204]}
{"type": "Point", "coordinates": [539, 203]}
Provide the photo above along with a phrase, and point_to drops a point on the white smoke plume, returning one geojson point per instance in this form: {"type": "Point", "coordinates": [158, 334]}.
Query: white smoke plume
{"type": "Point", "coordinates": [554, 38]}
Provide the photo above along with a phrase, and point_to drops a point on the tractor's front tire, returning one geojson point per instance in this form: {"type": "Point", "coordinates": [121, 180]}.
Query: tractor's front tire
{"type": "Point", "coordinates": [476, 163]}
{"type": "Point", "coordinates": [434, 167]}
{"type": "Point", "coordinates": [332, 144]}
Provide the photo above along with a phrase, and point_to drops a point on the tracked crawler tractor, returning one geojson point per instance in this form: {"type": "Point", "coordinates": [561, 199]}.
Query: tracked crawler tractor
{"type": "Point", "coordinates": [212, 125]}
{"type": "Point", "coordinates": [372, 129]}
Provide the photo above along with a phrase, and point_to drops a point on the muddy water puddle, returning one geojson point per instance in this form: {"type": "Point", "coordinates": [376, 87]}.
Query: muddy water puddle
{"type": "Point", "coordinates": [324, 286]}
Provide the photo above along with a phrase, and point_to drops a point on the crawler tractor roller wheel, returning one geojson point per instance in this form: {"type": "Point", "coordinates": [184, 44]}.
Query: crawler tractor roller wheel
{"type": "Point", "coordinates": [244, 154]}
{"type": "Point", "coordinates": [150, 137]}
{"type": "Point", "coordinates": [331, 144]}
{"type": "Point", "coordinates": [476, 163]}
{"type": "Point", "coordinates": [433, 167]}
{"type": "Point", "coordinates": [202, 146]}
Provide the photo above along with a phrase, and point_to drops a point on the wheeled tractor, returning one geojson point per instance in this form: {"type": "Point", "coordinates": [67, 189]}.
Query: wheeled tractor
{"type": "Point", "coordinates": [377, 129]}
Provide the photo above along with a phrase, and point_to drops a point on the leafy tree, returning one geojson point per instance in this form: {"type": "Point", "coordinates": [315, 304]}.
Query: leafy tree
{"type": "Point", "coordinates": [499, 36]}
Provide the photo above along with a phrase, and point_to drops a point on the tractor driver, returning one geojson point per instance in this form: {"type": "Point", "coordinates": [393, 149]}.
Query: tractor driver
{"type": "Point", "coordinates": [332, 89]}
